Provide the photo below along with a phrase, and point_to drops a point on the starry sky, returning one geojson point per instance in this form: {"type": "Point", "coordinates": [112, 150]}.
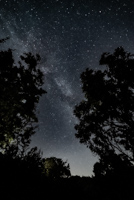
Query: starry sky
{"type": "Point", "coordinates": [69, 36]}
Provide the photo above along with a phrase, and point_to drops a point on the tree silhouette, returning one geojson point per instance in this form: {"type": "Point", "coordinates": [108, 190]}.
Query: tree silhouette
{"type": "Point", "coordinates": [56, 168]}
{"type": "Point", "coordinates": [106, 115]}
{"type": "Point", "coordinates": [20, 90]}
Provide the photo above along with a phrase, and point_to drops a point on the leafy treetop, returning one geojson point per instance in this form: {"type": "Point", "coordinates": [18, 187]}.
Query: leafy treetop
{"type": "Point", "coordinates": [106, 115]}
{"type": "Point", "coordinates": [20, 90]}
{"type": "Point", "coordinates": [56, 168]}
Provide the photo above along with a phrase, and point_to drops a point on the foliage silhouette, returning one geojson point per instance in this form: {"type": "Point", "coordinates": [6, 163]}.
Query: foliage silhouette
{"type": "Point", "coordinates": [4, 39]}
{"type": "Point", "coordinates": [106, 115]}
{"type": "Point", "coordinates": [20, 89]}
{"type": "Point", "coordinates": [56, 168]}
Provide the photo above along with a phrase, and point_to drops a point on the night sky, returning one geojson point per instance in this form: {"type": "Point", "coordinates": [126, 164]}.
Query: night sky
{"type": "Point", "coordinates": [69, 35]}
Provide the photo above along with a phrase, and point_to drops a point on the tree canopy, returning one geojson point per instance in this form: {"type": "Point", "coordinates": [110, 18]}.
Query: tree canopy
{"type": "Point", "coordinates": [106, 115]}
{"type": "Point", "coordinates": [56, 168]}
{"type": "Point", "coordinates": [20, 90]}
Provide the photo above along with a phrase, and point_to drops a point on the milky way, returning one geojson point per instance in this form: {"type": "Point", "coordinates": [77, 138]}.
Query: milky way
{"type": "Point", "coordinates": [69, 36]}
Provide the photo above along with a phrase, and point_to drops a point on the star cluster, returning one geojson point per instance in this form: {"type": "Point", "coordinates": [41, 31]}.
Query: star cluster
{"type": "Point", "coordinates": [69, 36]}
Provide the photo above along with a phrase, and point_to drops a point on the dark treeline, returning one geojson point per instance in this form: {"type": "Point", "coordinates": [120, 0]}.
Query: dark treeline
{"type": "Point", "coordinates": [106, 126]}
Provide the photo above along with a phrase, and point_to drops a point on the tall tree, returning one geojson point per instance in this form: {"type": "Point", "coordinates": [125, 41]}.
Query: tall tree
{"type": "Point", "coordinates": [20, 90]}
{"type": "Point", "coordinates": [106, 115]}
